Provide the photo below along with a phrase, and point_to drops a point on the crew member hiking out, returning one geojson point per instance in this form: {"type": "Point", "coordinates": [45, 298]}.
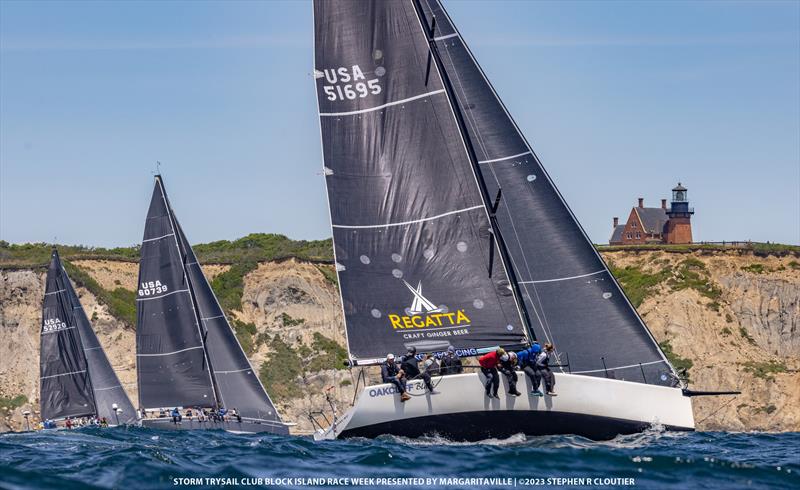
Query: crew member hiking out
{"type": "Point", "coordinates": [489, 363]}
{"type": "Point", "coordinates": [527, 361]}
{"type": "Point", "coordinates": [410, 366]}
{"type": "Point", "coordinates": [543, 367]}
{"type": "Point", "coordinates": [390, 373]}
{"type": "Point", "coordinates": [450, 363]}
{"type": "Point", "coordinates": [508, 366]}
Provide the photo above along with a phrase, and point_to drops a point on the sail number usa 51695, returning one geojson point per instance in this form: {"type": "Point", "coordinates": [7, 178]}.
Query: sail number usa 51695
{"type": "Point", "coordinates": [348, 83]}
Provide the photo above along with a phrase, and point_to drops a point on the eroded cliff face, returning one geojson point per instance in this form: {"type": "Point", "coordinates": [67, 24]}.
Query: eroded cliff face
{"type": "Point", "coordinates": [740, 334]}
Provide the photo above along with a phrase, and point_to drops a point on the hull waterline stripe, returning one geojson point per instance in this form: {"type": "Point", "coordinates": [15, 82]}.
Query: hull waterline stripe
{"type": "Point", "coordinates": [562, 278]}
{"type": "Point", "coordinates": [231, 372]}
{"type": "Point", "coordinates": [505, 158]}
{"type": "Point", "coordinates": [55, 292]}
{"type": "Point", "coordinates": [442, 38]}
{"type": "Point", "coordinates": [371, 109]}
{"type": "Point", "coordinates": [163, 295]}
{"type": "Point", "coordinates": [402, 223]}
{"type": "Point", "coordinates": [618, 367]}
{"type": "Point", "coordinates": [169, 353]}
{"type": "Point", "coordinates": [64, 374]}
{"type": "Point", "coordinates": [157, 238]}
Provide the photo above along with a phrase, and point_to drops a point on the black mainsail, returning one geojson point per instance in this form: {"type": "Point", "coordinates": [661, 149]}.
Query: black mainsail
{"type": "Point", "coordinates": [571, 297]}
{"type": "Point", "coordinates": [171, 361]}
{"type": "Point", "coordinates": [65, 386]}
{"type": "Point", "coordinates": [106, 387]}
{"type": "Point", "coordinates": [220, 368]}
{"type": "Point", "coordinates": [411, 226]}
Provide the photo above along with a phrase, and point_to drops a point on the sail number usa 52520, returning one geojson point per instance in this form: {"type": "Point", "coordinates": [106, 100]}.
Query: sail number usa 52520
{"type": "Point", "coordinates": [151, 288]}
{"type": "Point", "coordinates": [348, 83]}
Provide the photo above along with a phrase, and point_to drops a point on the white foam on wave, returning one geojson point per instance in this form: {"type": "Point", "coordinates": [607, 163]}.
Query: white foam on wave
{"type": "Point", "coordinates": [439, 440]}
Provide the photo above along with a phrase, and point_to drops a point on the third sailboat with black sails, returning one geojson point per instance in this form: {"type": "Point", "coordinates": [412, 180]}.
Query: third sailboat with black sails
{"type": "Point", "coordinates": [187, 355]}
{"type": "Point", "coordinates": [448, 232]}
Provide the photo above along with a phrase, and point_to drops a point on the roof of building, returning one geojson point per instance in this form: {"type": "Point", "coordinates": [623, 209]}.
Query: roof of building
{"type": "Point", "coordinates": [679, 187]}
{"type": "Point", "coordinates": [616, 235]}
{"type": "Point", "coordinates": [653, 219]}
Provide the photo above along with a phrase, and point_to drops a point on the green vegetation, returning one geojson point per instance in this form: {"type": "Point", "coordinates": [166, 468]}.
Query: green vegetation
{"type": "Point", "coordinates": [10, 403]}
{"type": "Point", "coordinates": [768, 409]}
{"type": "Point", "coordinates": [678, 362]}
{"type": "Point", "coordinates": [755, 268]}
{"type": "Point", "coordinates": [329, 273]}
{"type": "Point", "coordinates": [728, 318]}
{"type": "Point", "coordinates": [746, 335]}
{"type": "Point", "coordinates": [280, 372]}
{"type": "Point", "coordinates": [261, 247]}
{"type": "Point", "coordinates": [288, 321]}
{"type": "Point", "coordinates": [764, 370]}
{"type": "Point", "coordinates": [286, 363]}
{"type": "Point", "coordinates": [726, 331]}
{"type": "Point", "coordinates": [794, 265]}
{"type": "Point", "coordinates": [345, 382]}
{"type": "Point", "coordinates": [758, 249]}
{"type": "Point", "coordinates": [228, 286]}
{"type": "Point", "coordinates": [256, 247]}
{"type": "Point", "coordinates": [244, 333]}
{"type": "Point", "coordinates": [329, 354]}
{"type": "Point", "coordinates": [691, 273]}
{"type": "Point", "coordinates": [121, 302]}
{"type": "Point", "coordinates": [638, 285]}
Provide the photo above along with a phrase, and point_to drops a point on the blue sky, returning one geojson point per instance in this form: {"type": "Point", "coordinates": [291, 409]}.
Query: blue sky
{"type": "Point", "coordinates": [619, 99]}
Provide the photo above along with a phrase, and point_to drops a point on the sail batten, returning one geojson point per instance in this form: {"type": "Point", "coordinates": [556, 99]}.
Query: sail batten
{"type": "Point", "coordinates": [572, 298]}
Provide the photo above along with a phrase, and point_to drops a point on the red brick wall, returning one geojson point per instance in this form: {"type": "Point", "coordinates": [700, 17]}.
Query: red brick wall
{"type": "Point", "coordinates": [632, 227]}
{"type": "Point", "coordinates": [679, 230]}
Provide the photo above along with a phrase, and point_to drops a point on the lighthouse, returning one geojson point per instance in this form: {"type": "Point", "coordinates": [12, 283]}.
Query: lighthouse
{"type": "Point", "coordinates": [679, 225]}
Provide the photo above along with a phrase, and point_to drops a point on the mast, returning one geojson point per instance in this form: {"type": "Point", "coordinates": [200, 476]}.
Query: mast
{"type": "Point", "coordinates": [473, 160]}
{"type": "Point", "coordinates": [174, 226]}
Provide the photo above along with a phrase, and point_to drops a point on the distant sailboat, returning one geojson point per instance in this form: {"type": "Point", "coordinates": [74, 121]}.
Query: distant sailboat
{"type": "Point", "coordinates": [76, 378]}
{"type": "Point", "coordinates": [187, 355]}
{"type": "Point", "coordinates": [417, 146]}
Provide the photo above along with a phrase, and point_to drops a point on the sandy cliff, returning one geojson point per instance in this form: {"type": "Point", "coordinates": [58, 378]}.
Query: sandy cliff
{"type": "Point", "coordinates": [733, 316]}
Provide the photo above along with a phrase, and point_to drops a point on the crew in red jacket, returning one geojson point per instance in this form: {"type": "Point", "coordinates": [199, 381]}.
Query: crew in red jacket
{"type": "Point", "coordinates": [489, 363]}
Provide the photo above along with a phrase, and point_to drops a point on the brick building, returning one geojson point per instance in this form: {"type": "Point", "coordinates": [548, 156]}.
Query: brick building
{"type": "Point", "coordinates": [656, 225]}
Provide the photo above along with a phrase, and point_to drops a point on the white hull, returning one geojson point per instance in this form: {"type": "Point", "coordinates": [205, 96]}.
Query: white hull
{"type": "Point", "coordinates": [598, 408]}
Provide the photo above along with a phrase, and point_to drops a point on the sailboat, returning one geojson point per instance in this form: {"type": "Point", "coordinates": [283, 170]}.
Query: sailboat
{"type": "Point", "coordinates": [187, 355]}
{"type": "Point", "coordinates": [448, 232]}
{"type": "Point", "coordinates": [76, 378]}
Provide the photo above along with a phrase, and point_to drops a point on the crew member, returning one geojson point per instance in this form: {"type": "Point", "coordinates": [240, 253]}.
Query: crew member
{"type": "Point", "coordinates": [391, 373]}
{"type": "Point", "coordinates": [410, 365]}
{"type": "Point", "coordinates": [508, 366]}
{"type": "Point", "coordinates": [450, 363]}
{"type": "Point", "coordinates": [543, 366]}
{"type": "Point", "coordinates": [527, 361]}
{"type": "Point", "coordinates": [176, 416]}
{"type": "Point", "coordinates": [68, 423]}
{"type": "Point", "coordinates": [489, 363]}
{"type": "Point", "coordinates": [431, 369]}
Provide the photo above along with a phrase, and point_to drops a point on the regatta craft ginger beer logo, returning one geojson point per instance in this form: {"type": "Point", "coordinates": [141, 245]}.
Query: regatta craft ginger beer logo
{"type": "Point", "coordinates": [424, 314]}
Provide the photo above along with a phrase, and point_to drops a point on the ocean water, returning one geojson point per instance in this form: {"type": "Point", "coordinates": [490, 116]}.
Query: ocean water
{"type": "Point", "coordinates": [137, 458]}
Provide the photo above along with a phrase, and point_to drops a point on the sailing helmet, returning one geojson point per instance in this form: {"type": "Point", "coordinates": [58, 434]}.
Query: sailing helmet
{"type": "Point", "coordinates": [500, 351]}
{"type": "Point", "coordinates": [412, 350]}
{"type": "Point", "coordinates": [512, 356]}
{"type": "Point", "coordinates": [451, 349]}
{"type": "Point", "coordinates": [536, 348]}
{"type": "Point", "coordinates": [390, 357]}
{"type": "Point", "coordinates": [504, 357]}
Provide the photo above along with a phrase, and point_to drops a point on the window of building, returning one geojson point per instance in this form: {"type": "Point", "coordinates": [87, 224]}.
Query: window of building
{"type": "Point", "coordinates": [628, 236]}
{"type": "Point", "coordinates": [638, 235]}
{"type": "Point", "coordinates": [633, 224]}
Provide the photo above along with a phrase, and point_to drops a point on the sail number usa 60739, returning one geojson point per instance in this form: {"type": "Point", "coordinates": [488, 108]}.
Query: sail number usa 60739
{"type": "Point", "coordinates": [348, 83]}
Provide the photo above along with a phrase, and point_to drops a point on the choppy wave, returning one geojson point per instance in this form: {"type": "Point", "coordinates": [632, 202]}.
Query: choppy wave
{"type": "Point", "coordinates": [143, 458]}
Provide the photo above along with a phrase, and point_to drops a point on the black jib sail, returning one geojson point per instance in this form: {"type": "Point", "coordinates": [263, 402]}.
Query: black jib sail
{"type": "Point", "coordinates": [410, 223]}
{"type": "Point", "coordinates": [571, 298]}
{"type": "Point", "coordinates": [65, 386]}
{"type": "Point", "coordinates": [171, 361]}
{"type": "Point", "coordinates": [107, 389]}
{"type": "Point", "coordinates": [236, 381]}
